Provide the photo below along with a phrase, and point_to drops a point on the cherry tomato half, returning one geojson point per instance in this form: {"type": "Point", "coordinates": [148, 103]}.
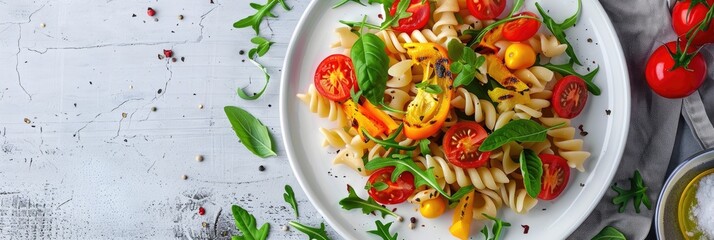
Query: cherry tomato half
{"type": "Point", "coordinates": [556, 174]}
{"type": "Point", "coordinates": [419, 18]}
{"type": "Point", "coordinates": [686, 17]}
{"type": "Point", "coordinates": [396, 192]}
{"type": "Point", "coordinates": [521, 29]}
{"type": "Point", "coordinates": [569, 96]}
{"type": "Point", "coordinates": [678, 82]}
{"type": "Point", "coordinates": [486, 9]}
{"type": "Point", "coordinates": [461, 145]}
{"type": "Point", "coordinates": [335, 76]}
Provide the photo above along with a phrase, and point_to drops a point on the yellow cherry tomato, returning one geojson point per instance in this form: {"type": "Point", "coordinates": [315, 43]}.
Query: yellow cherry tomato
{"type": "Point", "coordinates": [433, 208]}
{"type": "Point", "coordinates": [519, 56]}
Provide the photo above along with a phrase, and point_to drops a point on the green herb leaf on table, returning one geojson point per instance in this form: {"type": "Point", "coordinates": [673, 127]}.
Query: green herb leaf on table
{"type": "Point", "coordinates": [252, 133]}
{"type": "Point", "coordinates": [637, 192]}
{"type": "Point", "coordinates": [257, 18]}
{"type": "Point", "coordinates": [246, 223]}
{"type": "Point", "coordinates": [568, 69]}
{"type": "Point", "coordinates": [311, 232]}
{"type": "Point", "coordinates": [383, 231]}
{"type": "Point", "coordinates": [371, 65]}
{"type": "Point", "coordinates": [352, 201]}
{"type": "Point", "coordinates": [289, 197]}
{"type": "Point", "coordinates": [263, 45]}
{"type": "Point", "coordinates": [421, 177]}
{"type": "Point", "coordinates": [558, 29]}
{"type": "Point", "coordinates": [521, 130]}
{"type": "Point", "coordinates": [532, 170]}
{"type": "Point", "coordinates": [241, 92]}
{"type": "Point", "coordinates": [609, 233]}
{"type": "Point", "coordinates": [497, 228]}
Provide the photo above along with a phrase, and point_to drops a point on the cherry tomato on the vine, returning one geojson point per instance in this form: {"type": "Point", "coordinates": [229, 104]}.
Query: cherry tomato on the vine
{"type": "Point", "coordinates": [671, 82]}
{"type": "Point", "coordinates": [686, 17]}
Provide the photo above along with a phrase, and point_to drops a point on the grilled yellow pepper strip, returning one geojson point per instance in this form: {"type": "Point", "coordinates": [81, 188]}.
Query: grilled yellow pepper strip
{"type": "Point", "coordinates": [463, 216]}
{"type": "Point", "coordinates": [498, 70]}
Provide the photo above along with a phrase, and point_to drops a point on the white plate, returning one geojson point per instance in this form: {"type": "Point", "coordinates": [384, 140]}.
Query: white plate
{"type": "Point", "coordinates": [324, 183]}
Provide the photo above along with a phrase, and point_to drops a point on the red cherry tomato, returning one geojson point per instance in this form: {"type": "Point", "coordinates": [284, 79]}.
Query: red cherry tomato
{"type": "Point", "coordinates": [521, 29]}
{"type": "Point", "coordinates": [419, 18]}
{"type": "Point", "coordinates": [556, 174]}
{"type": "Point", "coordinates": [395, 192]}
{"type": "Point", "coordinates": [672, 82]}
{"type": "Point", "coordinates": [461, 145]}
{"type": "Point", "coordinates": [686, 17]}
{"type": "Point", "coordinates": [486, 9]}
{"type": "Point", "coordinates": [569, 96]}
{"type": "Point", "coordinates": [335, 76]}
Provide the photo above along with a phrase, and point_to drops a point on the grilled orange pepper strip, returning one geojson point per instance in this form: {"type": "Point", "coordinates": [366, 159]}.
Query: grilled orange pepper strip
{"type": "Point", "coordinates": [361, 119]}
{"type": "Point", "coordinates": [381, 116]}
{"type": "Point", "coordinates": [488, 42]}
{"type": "Point", "coordinates": [428, 111]}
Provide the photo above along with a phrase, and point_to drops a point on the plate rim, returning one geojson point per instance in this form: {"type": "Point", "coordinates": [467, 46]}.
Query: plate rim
{"type": "Point", "coordinates": [618, 144]}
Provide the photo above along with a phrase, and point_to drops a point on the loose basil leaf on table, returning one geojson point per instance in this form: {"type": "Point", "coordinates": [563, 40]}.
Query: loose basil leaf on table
{"type": "Point", "coordinates": [252, 133]}
{"type": "Point", "coordinates": [522, 130]}
{"type": "Point", "coordinates": [532, 170]}
{"type": "Point", "coordinates": [371, 65]}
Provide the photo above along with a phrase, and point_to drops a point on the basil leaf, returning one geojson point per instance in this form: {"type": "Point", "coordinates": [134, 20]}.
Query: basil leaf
{"type": "Point", "coordinates": [252, 133]}
{"type": "Point", "coordinates": [532, 170]}
{"type": "Point", "coordinates": [455, 49]}
{"type": "Point", "coordinates": [568, 69]}
{"type": "Point", "coordinates": [521, 130]}
{"type": "Point", "coordinates": [465, 77]}
{"type": "Point", "coordinates": [246, 223]}
{"type": "Point", "coordinates": [609, 233]}
{"type": "Point", "coordinates": [558, 31]}
{"type": "Point", "coordinates": [371, 65]}
{"type": "Point", "coordinates": [311, 232]}
{"type": "Point", "coordinates": [457, 67]}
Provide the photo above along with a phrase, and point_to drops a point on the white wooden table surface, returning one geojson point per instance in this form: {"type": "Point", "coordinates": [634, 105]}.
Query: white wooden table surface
{"type": "Point", "coordinates": [83, 156]}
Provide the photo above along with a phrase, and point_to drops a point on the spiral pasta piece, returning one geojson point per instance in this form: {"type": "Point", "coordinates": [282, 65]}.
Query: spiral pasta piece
{"type": "Point", "coordinates": [481, 178]}
{"type": "Point", "coordinates": [486, 202]}
{"type": "Point", "coordinates": [568, 146]}
{"type": "Point", "coordinates": [516, 197]}
{"type": "Point", "coordinates": [535, 77]}
{"type": "Point", "coordinates": [396, 99]}
{"type": "Point", "coordinates": [346, 38]}
{"type": "Point", "coordinates": [549, 46]}
{"type": "Point", "coordinates": [323, 107]}
{"type": "Point", "coordinates": [482, 110]}
{"type": "Point", "coordinates": [445, 22]}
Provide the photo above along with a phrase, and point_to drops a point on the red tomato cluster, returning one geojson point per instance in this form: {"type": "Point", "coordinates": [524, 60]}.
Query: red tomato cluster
{"type": "Point", "coordinates": [678, 70]}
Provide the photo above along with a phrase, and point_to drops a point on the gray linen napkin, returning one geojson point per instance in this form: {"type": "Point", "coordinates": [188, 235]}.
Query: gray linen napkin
{"type": "Point", "coordinates": [642, 25]}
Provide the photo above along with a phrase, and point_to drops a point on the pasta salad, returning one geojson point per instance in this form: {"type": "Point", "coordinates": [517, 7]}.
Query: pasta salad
{"type": "Point", "coordinates": [454, 104]}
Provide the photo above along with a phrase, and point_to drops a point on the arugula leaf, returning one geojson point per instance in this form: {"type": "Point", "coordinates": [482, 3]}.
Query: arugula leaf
{"type": "Point", "coordinates": [484, 231]}
{"type": "Point", "coordinates": [246, 223]}
{"type": "Point", "coordinates": [353, 24]}
{"type": "Point", "coordinates": [497, 228]}
{"type": "Point", "coordinates": [368, 206]}
{"type": "Point", "coordinates": [424, 146]}
{"type": "Point", "coordinates": [241, 92]}
{"type": "Point", "coordinates": [289, 197]}
{"type": "Point", "coordinates": [516, 6]}
{"type": "Point", "coordinates": [252, 133]}
{"type": "Point", "coordinates": [430, 88]}
{"type": "Point", "coordinates": [465, 62]}
{"type": "Point", "coordinates": [637, 192]}
{"type": "Point", "coordinates": [532, 170]}
{"type": "Point", "coordinates": [485, 30]}
{"type": "Point", "coordinates": [380, 186]}
{"type": "Point", "coordinates": [522, 130]}
{"type": "Point", "coordinates": [399, 14]}
{"type": "Point", "coordinates": [263, 45]}
{"type": "Point", "coordinates": [609, 233]}
{"type": "Point", "coordinates": [371, 65]}
{"type": "Point", "coordinates": [568, 69]}
{"type": "Point", "coordinates": [390, 142]}
{"type": "Point", "coordinates": [311, 232]}
{"type": "Point", "coordinates": [383, 231]}
{"type": "Point", "coordinates": [257, 18]}
{"type": "Point", "coordinates": [558, 29]}
{"type": "Point", "coordinates": [343, 2]}
{"type": "Point", "coordinates": [421, 177]}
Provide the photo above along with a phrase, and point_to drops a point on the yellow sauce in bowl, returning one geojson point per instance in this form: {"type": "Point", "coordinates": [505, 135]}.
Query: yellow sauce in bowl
{"type": "Point", "coordinates": [687, 201]}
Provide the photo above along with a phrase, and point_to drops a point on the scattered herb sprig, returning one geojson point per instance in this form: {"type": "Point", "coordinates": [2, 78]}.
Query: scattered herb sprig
{"type": "Point", "coordinates": [532, 170]}
{"type": "Point", "coordinates": [311, 232]}
{"type": "Point", "coordinates": [637, 192]}
{"type": "Point", "coordinates": [558, 29]}
{"type": "Point", "coordinates": [289, 197]}
{"type": "Point", "coordinates": [465, 62]}
{"type": "Point", "coordinates": [246, 223]}
{"type": "Point", "coordinates": [403, 163]}
{"type": "Point", "coordinates": [262, 47]}
{"type": "Point", "coordinates": [352, 201]}
{"type": "Point", "coordinates": [497, 228]}
{"type": "Point", "coordinates": [609, 233]}
{"type": "Point", "coordinates": [263, 11]}
{"type": "Point", "coordinates": [522, 130]}
{"type": "Point", "coordinates": [252, 133]}
{"type": "Point", "coordinates": [383, 231]}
